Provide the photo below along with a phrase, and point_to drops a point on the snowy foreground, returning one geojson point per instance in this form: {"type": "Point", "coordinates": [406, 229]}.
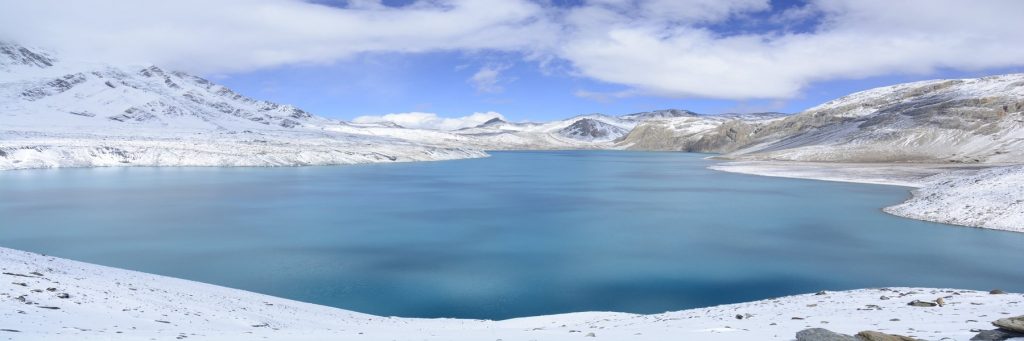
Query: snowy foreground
{"type": "Point", "coordinates": [102, 303]}
{"type": "Point", "coordinates": [977, 196]}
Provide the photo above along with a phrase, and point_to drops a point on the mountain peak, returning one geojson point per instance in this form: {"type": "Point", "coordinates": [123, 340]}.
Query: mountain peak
{"type": "Point", "coordinates": [491, 122]}
{"type": "Point", "coordinates": [591, 129]}
{"type": "Point", "coordinates": [15, 54]}
{"type": "Point", "coordinates": [665, 113]}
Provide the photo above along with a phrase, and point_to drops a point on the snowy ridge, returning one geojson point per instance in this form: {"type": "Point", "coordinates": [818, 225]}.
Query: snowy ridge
{"type": "Point", "coordinates": [977, 120]}
{"type": "Point", "coordinates": [599, 131]}
{"type": "Point", "coordinates": [693, 133]}
{"type": "Point", "coordinates": [80, 114]}
{"type": "Point", "coordinates": [103, 303]}
{"type": "Point", "coordinates": [592, 131]}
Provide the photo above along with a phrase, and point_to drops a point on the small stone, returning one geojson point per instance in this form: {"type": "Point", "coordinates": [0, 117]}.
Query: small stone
{"type": "Point", "coordinates": [63, 295]}
{"type": "Point", "coordinates": [822, 334]}
{"type": "Point", "coordinates": [997, 292]}
{"type": "Point", "coordinates": [884, 298]}
{"type": "Point", "coordinates": [739, 317]}
{"type": "Point", "coordinates": [821, 293]}
{"type": "Point", "coordinates": [869, 335]}
{"type": "Point", "coordinates": [20, 284]}
{"type": "Point", "coordinates": [894, 320]}
{"type": "Point", "coordinates": [920, 303]}
{"type": "Point", "coordinates": [51, 289]}
{"type": "Point", "coordinates": [590, 335]}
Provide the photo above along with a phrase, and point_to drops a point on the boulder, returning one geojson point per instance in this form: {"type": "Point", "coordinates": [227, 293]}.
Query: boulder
{"type": "Point", "coordinates": [1013, 324]}
{"type": "Point", "coordinates": [995, 335]}
{"type": "Point", "coordinates": [822, 334]}
{"type": "Point", "coordinates": [920, 303]}
{"type": "Point", "coordinates": [869, 335]}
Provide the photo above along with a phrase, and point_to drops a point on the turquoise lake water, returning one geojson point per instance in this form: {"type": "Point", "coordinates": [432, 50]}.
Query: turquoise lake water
{"type": "Point", "coordinates": [517, 234]}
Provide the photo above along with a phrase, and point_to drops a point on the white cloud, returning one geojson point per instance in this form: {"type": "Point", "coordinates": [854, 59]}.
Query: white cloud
{"type": "Point", "coordinates": [241, 35]}
{"type": "Point", "coordinates": [424, 120]}
{"type": "Point", "coordinates": [488, 79]}
{"type": "Point", "coordinates": [857, 39]}
{"type": "Point", "coordinates": [655, 47]}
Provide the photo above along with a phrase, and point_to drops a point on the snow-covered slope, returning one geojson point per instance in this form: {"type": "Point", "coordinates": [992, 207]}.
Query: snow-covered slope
{"type": "Point", "coordinates": [692, 132]}
{"type": "Point", "coordinates": [589, 129]}
{"type": "Point", "coordinates": [961, 120]}
{"type": "Point", "coordinates": [56, 113]}
{"type": "Point", "coordinates": [48, 298]}
{"type": "Point", "coordinates": [991, 198]}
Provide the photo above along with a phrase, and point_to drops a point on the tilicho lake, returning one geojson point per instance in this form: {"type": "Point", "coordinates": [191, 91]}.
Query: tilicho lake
{"type": "Point", "coordinates": [516, 234]}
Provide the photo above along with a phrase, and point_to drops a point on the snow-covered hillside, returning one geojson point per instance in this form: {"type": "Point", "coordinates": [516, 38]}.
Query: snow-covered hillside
{"type": "Point", "coordinates": [977, 120]}
{"type": "Point", "coordinates": [56, 113]}
{"type": "Point", "coordinates": [990, 198]}
{"type": "Point", "coordinates": [48, 298]}
{"type": "Point", "coordinates": [692, 132]}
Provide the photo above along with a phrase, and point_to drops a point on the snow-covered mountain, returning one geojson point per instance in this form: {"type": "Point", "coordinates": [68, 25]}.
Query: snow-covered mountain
{"type": "Point", "coordinates": [56, 113]}
{"type": "Point", "coordinates": [667, 113]}
{"type": "Point", "coordinates": [599, 131]}
{"type": "Point", "coordinates": [592, 131]}
{"type": "Point", "coordinates": [692, 133]}
{"type": "Point", "coordinates": [961, 120]}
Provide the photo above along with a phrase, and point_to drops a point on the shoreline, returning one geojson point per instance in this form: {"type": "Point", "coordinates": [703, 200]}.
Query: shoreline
{"type": "Point", "coordinates": [975, 195]}
{"type": "Point", "coordinates": [104, 303]}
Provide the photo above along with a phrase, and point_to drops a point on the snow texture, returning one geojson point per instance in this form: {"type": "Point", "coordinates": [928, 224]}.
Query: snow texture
{"type": "Point", "coordinates": [103, 303]}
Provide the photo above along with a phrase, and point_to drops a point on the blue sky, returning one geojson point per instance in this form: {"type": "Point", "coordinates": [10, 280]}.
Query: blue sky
{"type": "Point", "coordinates": [437, 82]}
{"type": "Point", "coordinates": [536, 59]}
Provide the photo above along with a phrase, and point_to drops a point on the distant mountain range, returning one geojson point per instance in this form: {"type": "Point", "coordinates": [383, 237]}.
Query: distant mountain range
{"type": "Point", "coordinates": [57, 113]}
